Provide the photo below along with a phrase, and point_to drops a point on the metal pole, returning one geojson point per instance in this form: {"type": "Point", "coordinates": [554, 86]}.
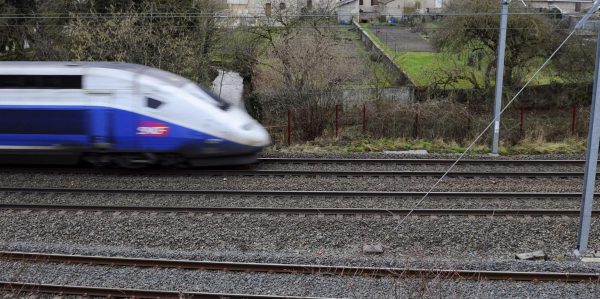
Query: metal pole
{"type": "Point", "coordinates": [573, 119]}
{"type": "Point", "coordinates": [591, 162]}
{"type": "Point", "coordinates": [522, 118]}
{"type": "Point", "coordinates": [289, 127]}
{"type": "Point", "coordinates": [364, 118]}
{"type": "Point", "coordinates": [500, 74]}
{"type": "Point", "coordinates": [337, 121]}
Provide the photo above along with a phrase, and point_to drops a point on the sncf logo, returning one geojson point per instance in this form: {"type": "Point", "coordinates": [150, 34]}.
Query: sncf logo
{"type": "Point", "coordinates": [150, 128]}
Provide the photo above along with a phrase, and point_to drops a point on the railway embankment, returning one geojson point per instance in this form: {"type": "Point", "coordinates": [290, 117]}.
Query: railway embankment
{"type": "Point", "coordinates": [308, 212]}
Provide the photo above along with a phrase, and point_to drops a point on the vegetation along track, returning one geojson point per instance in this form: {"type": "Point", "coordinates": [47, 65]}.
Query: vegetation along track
{"type": "Point", "coordinates": [300, 269]}
{"type": "Point", "coordinates": [420, 161]}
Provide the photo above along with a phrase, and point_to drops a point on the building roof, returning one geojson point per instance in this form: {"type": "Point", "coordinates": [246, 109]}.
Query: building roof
{"type": "Point", "coordinates": [345, 2]}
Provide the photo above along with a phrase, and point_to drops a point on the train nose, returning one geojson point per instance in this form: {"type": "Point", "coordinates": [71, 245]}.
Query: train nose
{"type": "Point", "coordinates": [256, 135]}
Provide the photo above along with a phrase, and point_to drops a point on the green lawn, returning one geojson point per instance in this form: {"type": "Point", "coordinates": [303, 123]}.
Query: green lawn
{"type": "Point", "coordinates": [427, 68]}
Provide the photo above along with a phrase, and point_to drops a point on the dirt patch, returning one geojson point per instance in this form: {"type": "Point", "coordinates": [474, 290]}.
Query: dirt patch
{"type": "Point", "coordinates": [402, 39]}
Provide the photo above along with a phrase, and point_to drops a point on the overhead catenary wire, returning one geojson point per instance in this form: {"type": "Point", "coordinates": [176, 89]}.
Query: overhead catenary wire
{"type": "Point", "coordinates": [162, 15]}
{"type": "Point", "coordinates": [582, 22]}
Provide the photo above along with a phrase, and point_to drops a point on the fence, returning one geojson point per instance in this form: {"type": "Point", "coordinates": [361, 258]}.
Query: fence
{"type": "Point", "coordinates": [446, 121]}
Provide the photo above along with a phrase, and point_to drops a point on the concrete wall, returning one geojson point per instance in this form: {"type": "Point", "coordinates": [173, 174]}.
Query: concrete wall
{"type": "Point", "coordinates": [405, 91]}
{"type": "Point", "coordinates": [356, 97]}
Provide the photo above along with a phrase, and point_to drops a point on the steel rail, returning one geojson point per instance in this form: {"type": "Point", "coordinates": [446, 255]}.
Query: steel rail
{"type": "Point", "coordinates": [246, 172]}
{"type": "Point", "coordinates": [317, 211]}
{"type": "Point", "coordinates": [19, 288]}
{"type": "Point", "coordinates": [299, 268]}
{"type": "Point", "coordinates": [421, 161]}
{"type": "Point", "coordinates": [383, 173]}
{"type": "Point", "coordinates": [296, 193]}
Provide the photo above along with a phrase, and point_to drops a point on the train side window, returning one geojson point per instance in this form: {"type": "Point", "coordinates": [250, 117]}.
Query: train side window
{"type": "Point", "coordinates": [153, 103]}
{"type": "Point", "coordinates": [40, 82]}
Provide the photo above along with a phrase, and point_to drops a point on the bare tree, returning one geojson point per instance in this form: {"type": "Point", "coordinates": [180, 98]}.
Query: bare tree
{"type": "Point", "coordinates": [181, 40]}
{"type": "Point", "coordinates": [302, 65]}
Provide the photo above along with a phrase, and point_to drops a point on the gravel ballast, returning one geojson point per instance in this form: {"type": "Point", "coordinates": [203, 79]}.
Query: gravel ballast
{"type": "Point", "coordinates": [443, 237]}
{"type": "Point", "coordinates": [290, 183]}
{"type": "Point", "coordinates": [483, 243]}
{"type": "Point", "coordinates": [286, 201]}
{"type": "Point", "coordinates": [285, 284]}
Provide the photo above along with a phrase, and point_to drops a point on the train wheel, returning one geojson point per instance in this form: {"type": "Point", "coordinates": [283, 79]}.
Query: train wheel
{"type": "Point", "coordinates": [97, 159]}
{"type": "Point", "coordinates": [135, 161]}
{"type": "Point", "coordinates": [174, 161]}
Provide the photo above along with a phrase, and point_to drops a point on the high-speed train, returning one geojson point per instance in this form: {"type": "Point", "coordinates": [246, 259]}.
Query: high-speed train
{"type": "Point", "coordinates": [108, 113]}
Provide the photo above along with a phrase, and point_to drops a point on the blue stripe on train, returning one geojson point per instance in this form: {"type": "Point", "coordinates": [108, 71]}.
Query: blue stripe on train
{"type": "Point", "coordinates": [83, 126]}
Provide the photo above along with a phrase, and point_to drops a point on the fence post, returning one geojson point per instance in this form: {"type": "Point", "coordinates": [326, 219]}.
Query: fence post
{"type": "Point", "coordinates": [364, 118]}
{"type": "Point", "coordinates": [573, 119]}
{"type": "Point", "coordinates": [417, 125]}
{"type": "Point", "coordinates": [337, 120]}
{"type": "Point", "coordinates": [522, 118]}
{"type": "Point", "coordinates": [289, 127]}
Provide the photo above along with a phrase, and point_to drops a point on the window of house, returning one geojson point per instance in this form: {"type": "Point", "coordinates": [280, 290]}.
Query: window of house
{"type": "Point", "coordinates": [309, 4]}
{"type": "Point", "coordinates": [360, 2]}
{"type": "Point", "coordinates": [282, 5]}
{"type": "Point", "coordinates": [268, 9]}
{"type": "Point", "coordinates": [374, 2]}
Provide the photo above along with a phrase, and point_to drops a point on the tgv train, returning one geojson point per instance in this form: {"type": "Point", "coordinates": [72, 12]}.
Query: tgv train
{"type": "Point", "coordinates": [118, 113]}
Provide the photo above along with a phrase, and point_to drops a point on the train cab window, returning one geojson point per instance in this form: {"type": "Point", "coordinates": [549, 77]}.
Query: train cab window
{"type": "Point", "coordinates": [153, 103]}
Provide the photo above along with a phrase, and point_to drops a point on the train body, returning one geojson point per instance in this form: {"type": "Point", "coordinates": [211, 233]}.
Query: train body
{"type": "Point", "coordinates": [118, 113]}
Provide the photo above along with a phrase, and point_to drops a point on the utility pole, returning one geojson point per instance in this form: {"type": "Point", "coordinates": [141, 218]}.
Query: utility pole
{"type": "Point", "coordinates": [591, 161]}
{"type": "Point", "coordinates": [500, 74]}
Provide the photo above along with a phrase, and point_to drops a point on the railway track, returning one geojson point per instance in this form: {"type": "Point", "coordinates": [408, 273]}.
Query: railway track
{"type": "Point", "coordinates": [298, 211]}
{"type": "Point", "coordinates": [21, 288]}
{"type": "Point", "coordinates": [307, 173]}
{"type": "Point", "coordinates": [279, 193]}
{"type": "Point", "coordinates": [249, 171]}
{"type": "Point", "coordinates": [418, 161]}
{"type": "Point", "coordinates": [300, 268]}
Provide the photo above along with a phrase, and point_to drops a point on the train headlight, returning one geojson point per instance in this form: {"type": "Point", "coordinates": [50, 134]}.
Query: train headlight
{"type": "Point", "coordinates": [247, 127]}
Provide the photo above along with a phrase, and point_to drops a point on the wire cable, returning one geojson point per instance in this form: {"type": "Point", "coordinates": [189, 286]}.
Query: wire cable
{"type": "Point", "coordinates": [579, 25]}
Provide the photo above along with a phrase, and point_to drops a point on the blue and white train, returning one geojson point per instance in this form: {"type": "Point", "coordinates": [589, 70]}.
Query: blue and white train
{"type": "Point", "coordinates": [118, 113]}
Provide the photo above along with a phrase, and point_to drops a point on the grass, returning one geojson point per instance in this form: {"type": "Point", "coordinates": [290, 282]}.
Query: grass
{"type": "Point", "coordinates": [425, 68]}
{"type": "Point", "coordinates": [526, 146]}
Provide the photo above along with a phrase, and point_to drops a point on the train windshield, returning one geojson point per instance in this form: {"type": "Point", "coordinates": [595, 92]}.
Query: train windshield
{"type": "Point", "coordinates": [188, 85]}
{"type": "Point", "coordinates": [202, 93]}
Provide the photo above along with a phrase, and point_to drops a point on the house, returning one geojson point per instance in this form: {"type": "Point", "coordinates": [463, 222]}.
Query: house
{"type": "Point", "coordinates": [347, 10]}
{"type": "Point", "coordinates": [386, 9]}
{"type": "Point", "coordinates": [565, 6]}
{"type": "Point", "coordinates": [258, 8]}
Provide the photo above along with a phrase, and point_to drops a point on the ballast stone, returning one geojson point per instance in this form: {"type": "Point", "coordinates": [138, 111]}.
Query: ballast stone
{"type": "Point", "coordinates": [408, 152]}
{"type": "Point", "coordinates": [535, 255]}
{"type": "Point", "coordinates": [372, 249]}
